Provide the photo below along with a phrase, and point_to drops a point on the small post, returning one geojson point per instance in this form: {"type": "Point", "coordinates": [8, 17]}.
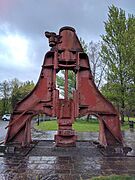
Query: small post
{"type": "Point", "coordinates": [38, 120]}
{"type": "Point", "coordinates": [131, 124]}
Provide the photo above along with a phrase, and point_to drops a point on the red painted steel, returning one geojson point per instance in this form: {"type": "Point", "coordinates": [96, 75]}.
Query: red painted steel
{"type": "Point", "coordinates": [66, 54]}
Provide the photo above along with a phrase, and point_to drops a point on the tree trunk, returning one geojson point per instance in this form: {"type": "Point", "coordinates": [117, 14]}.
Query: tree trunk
{"type": "Point", "coordinates": [122, 111]}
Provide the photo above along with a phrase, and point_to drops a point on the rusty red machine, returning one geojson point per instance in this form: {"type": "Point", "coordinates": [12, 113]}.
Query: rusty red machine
{"type": "Point", "coordinates": [66, 54]}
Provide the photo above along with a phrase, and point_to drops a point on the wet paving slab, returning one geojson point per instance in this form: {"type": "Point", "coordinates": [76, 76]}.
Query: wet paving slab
{"type": "Point", "coordinates": [49, 135]}
{"type": "Point", "coordinates": [3, 131]}
{"type": "Point", "coordinates": [48, 148]}
{"type": "Point", "coordinates": [46, 162]}
{"type": "Point", "coordinates": [63, 167]}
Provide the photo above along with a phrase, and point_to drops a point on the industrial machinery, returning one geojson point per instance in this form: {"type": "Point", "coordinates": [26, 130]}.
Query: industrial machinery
{"type": "Point", "coordinates": [66, 54]}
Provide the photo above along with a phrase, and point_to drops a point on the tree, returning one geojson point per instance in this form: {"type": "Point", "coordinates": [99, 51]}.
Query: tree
{"type": "Point", "coordinates": [71, 82]}
{"type": "Point", "coordinates": [5, 96]}
{"type": "Point", "coordinates": [84, 45]}
{"type": "Point", "coordinates": [92, 49]}
{"type": "Point", "coordinates": [20, 90]}
{"type": "Point", "coordinates": [96, 63]}
{"type": "Point", "coordinates": [12, 92]}
{"type": "Point", "coordinates": [118, 53]}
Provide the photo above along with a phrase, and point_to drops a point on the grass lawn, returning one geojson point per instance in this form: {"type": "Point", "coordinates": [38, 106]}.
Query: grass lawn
{"type": "Point", "coordinates": [130, 118]}
{"type": "Point", "coordinates": [114, 177]}
{"type": "Point", "coordinates": [79, 125]}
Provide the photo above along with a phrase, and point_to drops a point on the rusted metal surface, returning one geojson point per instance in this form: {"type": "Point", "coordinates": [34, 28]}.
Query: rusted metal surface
{"type": "Point", "coordinates": [66, 54]}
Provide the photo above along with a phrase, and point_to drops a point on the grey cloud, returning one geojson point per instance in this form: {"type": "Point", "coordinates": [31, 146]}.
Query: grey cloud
{"type": "Point", "coordinates": [34, 17]}
{"type": "Point", "coordinates": [31, 18]}
{"type": "Point", "coordinates": [10, 72]}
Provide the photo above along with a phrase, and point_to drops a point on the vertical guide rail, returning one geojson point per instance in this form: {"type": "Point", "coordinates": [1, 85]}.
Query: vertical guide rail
{"type": "Point", "coordinates": [55, 93]}
{"type": "Point", "coordinates": [66, 85]}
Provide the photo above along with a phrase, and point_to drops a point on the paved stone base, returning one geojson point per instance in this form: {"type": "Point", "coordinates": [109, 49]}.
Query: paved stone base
{"type": "Point", "coordinates": [47, 162]}
{"type": "Point", "coordinates": [14, 149]}
{"type": "Point", "coordinates": [48, 148]}
{"type": "Point", "coordinates": [44, 161]}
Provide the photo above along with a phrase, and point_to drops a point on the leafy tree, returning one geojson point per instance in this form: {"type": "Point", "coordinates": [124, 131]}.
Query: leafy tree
{"type": "Point", "coordinates": [118, 53]}
{"type": "Point", "coordinates": [130, 100]}
{"type": "Point", "coordinates": [96, 63]}
{"type": "Point", "coordinates": [20, 90]}
{"type": "Point", "coordinates": [5, 96]}
{"type": "Point", "coordinates": [15, 94]}
{"type": "Point", "coordinates": [12, 92]}
{"type": "Point", "coordinates": [71, 82]}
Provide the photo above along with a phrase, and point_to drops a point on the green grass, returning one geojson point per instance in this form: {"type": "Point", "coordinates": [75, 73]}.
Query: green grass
{"type": "Point", "coordinates": [47, 125]}
{"type": "Point", "coordinates": [130, 118]}
{"type": "Point", "coordinates": [114, 177]}
{"type": "Point", "coordinates": [84, 126]}
{"type": "Point", "coordinates": [79, 125]}
{"type": "Point", "coordinates": [125, 126]}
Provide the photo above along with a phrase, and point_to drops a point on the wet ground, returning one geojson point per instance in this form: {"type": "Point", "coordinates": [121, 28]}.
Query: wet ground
{"type": "Point", "coordinates": [47, 162]}
{"type": "Point", "coordinates": [3, 131]}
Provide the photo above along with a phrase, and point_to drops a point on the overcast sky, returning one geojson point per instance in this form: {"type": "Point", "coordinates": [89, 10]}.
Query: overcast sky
{"type": "Point", "coordinates": [23, 23]}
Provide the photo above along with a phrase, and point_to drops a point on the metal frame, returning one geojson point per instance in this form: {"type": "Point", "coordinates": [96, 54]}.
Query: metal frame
{"type": "Point", "coordinates": [66, 54]}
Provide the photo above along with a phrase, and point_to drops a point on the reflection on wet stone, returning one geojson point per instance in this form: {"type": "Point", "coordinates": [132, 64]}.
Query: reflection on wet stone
{"type": "Point", "coordinates": [45, 161]}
